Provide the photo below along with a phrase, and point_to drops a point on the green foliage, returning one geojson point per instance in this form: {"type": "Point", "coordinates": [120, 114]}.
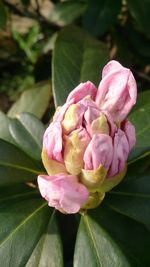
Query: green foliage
{"type": "Point", "coordinates": [34, 100]}
{"type": "Point", "coordinates": [140, 12]}
{"type": "Point", "coordinates": [27, 132]}
{"type": "Point", "coordinates": [29, 42]}
{"type": "Point", "coordinates": [78, 58]}
{"type": "Point", "coordinates": [100, 16]}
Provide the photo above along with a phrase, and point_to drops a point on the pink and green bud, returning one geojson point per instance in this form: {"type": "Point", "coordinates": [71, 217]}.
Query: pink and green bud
{"type": "Point", "coordinates": [86, 146]}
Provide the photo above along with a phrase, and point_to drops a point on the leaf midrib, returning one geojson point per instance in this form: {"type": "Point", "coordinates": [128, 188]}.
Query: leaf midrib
{"type": "Point", "coordinates": [91, 235]}
{"type": "Point", "coordinates": [19, 167]}
{"type": "Point", "coordinates": [21, 224]}
{"type": "Point", "coordinates": [42, 246]}
{"type": "Point", "coordinates": [18, 196]}
{"type": "Point", "coordinates": [32, 136]}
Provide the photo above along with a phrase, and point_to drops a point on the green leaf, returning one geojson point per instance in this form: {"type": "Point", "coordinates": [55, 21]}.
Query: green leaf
{"type": "Point", "coordinates": [27, 132]}
{"type": "Point", "coordinates": [15, 165]}
{"type": "Point", "coordinates": [132, 196]}
{"type": "Point", "coordinates": [25, 221]}
{"type": "Point", "coordinates": [34, 101]}
{"type": "Point", "coordinates": [48, 251]}
{"type": "Point", "coordinates": [141, 120]}
{"type": "Point", "coordinates": [65, 13]}
{"type": "Point", "coordinates": [132, 237]}
{"type": "Point", "coordinates": [95, 248]}
{"type": "Point", "coordinates": [3, 15]}
{"type": "Point", "coordinates": [100, 16]}
{"type": "Point", "coordinates": [138, 41]}
{"type": "Point", "coordinates": [77, 57]}
{"type": "Point", "coordinates": [140, 11]}
{"type": "Point", "coordinates": [4, 128]}
{"type": "Point", "coordinates": [142, 100]}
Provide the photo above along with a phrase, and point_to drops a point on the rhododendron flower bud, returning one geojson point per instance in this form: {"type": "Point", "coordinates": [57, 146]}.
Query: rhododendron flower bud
{"type": "Point", "coordinates": [117, 90]}
{"type": "Point", "coordinates": [86, 146]}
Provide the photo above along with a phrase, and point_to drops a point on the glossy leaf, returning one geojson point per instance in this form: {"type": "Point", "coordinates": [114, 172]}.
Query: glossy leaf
{"type": "Point", "coordinates": [27, 132]}
{"type": "Point", "coordinates": [48, 251]}
{"type": "Point", "coordinates": [77, 58]}
{"type": "Point", "coordinates": [15, 165]}
{"type": "Point", "coordinates": [100, 16]}
{"type": "Point", "coordinates": [132, 196]}
{"type": "Point", "coordinates": [132, 237]}
{"type": "Point", "coordinates": [4, 128]}
{"type": "Point", "coordinates": [34, 101]}
{"type": "Point", "coordinates": [142, 100]}
{"type": "Point", "coordinates": [141, 120]}
{"type": "Point", "coordinates": [65, 13]}
{"type": "Point", "coordinates": [95, 248]}
{"type": "Point", "coordinates": [24, 218]}
{"type": "Point", "coordinates": [140, 12]}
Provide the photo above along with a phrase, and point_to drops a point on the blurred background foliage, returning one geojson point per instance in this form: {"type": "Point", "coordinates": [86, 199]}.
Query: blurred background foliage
{"type": "Point", "coordinates": [29, 28]}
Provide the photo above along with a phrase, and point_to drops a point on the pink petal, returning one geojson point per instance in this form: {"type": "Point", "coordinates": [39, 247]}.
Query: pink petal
{"type": "Point", "coordinates": [117, 91]}
{"type": "Point", "coordinates": [83, 90]}
{"type": "Point", "coordinates": [129, 130]}
{"type": "Point", "coordinates": [52, 141]}
{"type": "Point", "coordinates": [63, 192]}
{"type": "Point", "coordinates": [120, 154]}
{"type": "Point", "coordinates": [99, 151]}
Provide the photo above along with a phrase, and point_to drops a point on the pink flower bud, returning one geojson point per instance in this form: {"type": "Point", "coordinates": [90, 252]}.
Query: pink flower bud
{"type": "Point", "coordinates": [117, 90]}
{"type": "Point", "coordinates": [63, 192]}
{"type": "Point", "coordinates": [85, 148]}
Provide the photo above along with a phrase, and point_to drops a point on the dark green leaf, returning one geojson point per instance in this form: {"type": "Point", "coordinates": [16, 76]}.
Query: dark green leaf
{"type": "Point", "coordinates": [95, 248]}
{"type": "Point", "coordinates": [25, 221]}
{"type": "Point", "coordinates": [27, 132]}
{"type": "Point", "coordinates": [101, 15]}
{"type": "Point", "coordinates": [48, 251]}
{"type": "Point", "coordinates": [132, 197]}
{"type": "Point", "coordinates": [65, 13]}
{"type": "Point", "coordinates": [139, 42]}
{"type": "Point", "coordinates": [34, 101]}
{"type": "Point", "coordinates": [142, 100]}
{"type": "Point", "coordinates": [77, 58]}
{"type": "Point", "coordinates": [15, 165]}
{"type": "Point", "coordinates": [141, 120]}
{"type": "Point", "coordinates": [132, 237]}
{"type": "Point", "coordinates": [140, 11]}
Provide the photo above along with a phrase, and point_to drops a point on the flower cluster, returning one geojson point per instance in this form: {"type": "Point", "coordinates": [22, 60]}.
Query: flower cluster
{"type": "Point", "coordinates": [86, 146]}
